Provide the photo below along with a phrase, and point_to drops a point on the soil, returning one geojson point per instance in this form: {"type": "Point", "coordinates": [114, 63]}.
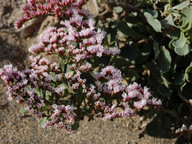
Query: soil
{"type": "Point", "coordinates": [18, 128]}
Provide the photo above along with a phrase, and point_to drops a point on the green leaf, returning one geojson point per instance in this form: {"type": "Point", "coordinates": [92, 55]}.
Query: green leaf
{"type": "Point", "coordinates": [42, 121]}
{"type": "Point", "coordinates": [53, 76]}
{"type": "Point", "coordinates": [163, 1]}
{"type": "Point", "coordinates": [69, 69]}
{"type": "Point", "coordinates": [133, 75]}
{"type": "Point", "coordinates": [153, 12]}
{"type": "Point", "coordinates": [156, 48]}
{"type": "Point", "coordinates": [179, 108]}
{"type": "Point", "coordinates": [183, 86]}
{"type": "Point", "coordinates": [181, 5]}
{"type": "Point", "coordinates": [174, 12]}
{"type": "Point", "coordinates": [168, 21]}
{"type": "Point", "coordinates": [152, 66]}
{"type": "Point", "coordinates": [180, 43]}
{"type": "Point", "coordinates": [179, 78]}
{"type": "Point", "coordinates": [75, 126]}
{"type": "Point", "coordinates": [164, 60]}
{"type": "Point", "coordinates": [143, 54]}
{"type": "Point", "coordinates": [166, 122]}
{"type": "Point", "coordinates": [156, 25]}
{"type": "Point", "coordinates": [118, 9]}
{"type": "Point", "coordinates": [183, 51]}
{"type": "Point", "coordinates": [48, 96]}
{"type": "Point", "coordinates": [153, 128]}
{"type": "Point", "coordinates": [164, 91]}
{"type": "Point", "coordinates": [166, 80]}
{"type": "Point", "coordinates": [23, 110]}
{"type": "Point", "coordinates": [172, 112]}
{"type": "Point", "coordinates": [39, 92]}
{"type": "Point", "coordinates": [125, 29]}
{"type": "Point", "coordinates": [171, 44]}
{"type": "Point", "coordinates": [181, 46]}
{"type": "Point", "coordinates": [142, 29]}
{"type": "Point", "coordinates": [130, 18]}
{"type": "Point", "coordinates": [129, 51]}
{"type": "Point", "coordinates": [111, 33]}
{"type": "Point", "coordinates": [187, 90]}
{"type": "Point", "coordinates": [145, 2]}
{"type": "Point", "coordinates": [63, 85]}
{"type": "Point", "coordinates": [120, 62]}
{"type": "Point", "coordinates": [188, 74]}
{"type": "Point", "coordinates": [74, 43]}
{"type": "Point", "coordinates": [174, 34]}
{"type": "Point", "coordinates": [186, 15]}
{"type": "Point", "coordinates": [45, 108]}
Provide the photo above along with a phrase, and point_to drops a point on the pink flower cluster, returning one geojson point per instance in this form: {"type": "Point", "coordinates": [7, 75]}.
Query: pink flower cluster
{"type": "Point", "coordinates": [76, 38]}
{"type": "Point", "coordinates": [36, 8]}
{"type": "Point", "coordinates": [49, 90]}
{"type": "Point", "coordinates": [133, 96]}
{"type": "Point", "coordinates": [183, 130]}
{"type": "Point", "coordinates": [65, 113]}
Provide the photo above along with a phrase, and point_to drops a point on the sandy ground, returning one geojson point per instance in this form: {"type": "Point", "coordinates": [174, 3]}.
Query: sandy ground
{"type": "Point", "coordinates": [18, 128]}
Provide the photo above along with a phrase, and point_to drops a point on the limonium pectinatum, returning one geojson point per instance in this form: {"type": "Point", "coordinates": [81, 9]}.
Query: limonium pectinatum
{"type": "Point", "coordinates": [60, 97]}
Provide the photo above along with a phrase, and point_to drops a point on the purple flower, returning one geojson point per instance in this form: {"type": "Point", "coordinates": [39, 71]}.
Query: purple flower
{"type": "Point", "coordinates": [57, 90]}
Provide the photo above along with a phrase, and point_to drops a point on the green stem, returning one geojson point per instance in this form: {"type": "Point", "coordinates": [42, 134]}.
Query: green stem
{"type": "Point", "coordinates": [65, 68]}
{"type": "Point", "coordinates": [170, 3]}
{"type": "Point", "coordinates": [181, 96]}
